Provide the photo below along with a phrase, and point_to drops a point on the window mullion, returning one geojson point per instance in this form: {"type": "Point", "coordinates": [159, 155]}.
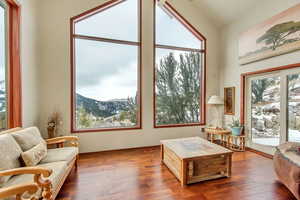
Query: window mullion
{"type": "Point", "coordinates": [283, 108]}
{"type": "Point", "coordinates": [84, 37]}
{"type": "Point", "coordinates": [160, 46]}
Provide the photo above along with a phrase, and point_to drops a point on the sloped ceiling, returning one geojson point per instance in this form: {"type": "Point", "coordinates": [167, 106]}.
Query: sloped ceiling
{"type": "Point", "coordinates": [224, 12]}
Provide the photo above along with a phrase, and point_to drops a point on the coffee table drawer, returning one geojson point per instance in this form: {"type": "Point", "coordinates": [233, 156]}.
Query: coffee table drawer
{"type": "Point", "coordinates": [207, 168]}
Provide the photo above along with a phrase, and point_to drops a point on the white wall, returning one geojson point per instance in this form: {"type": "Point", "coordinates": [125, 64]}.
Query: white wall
{"type": "Point", "coordinates": [54, 53]}
{"type": "Point", "coordinates": [29, 59]}
{"type": "Point", "coordinates": [231, 70]}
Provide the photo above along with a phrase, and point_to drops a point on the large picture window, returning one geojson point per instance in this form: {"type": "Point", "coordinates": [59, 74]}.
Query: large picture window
{"type": "Point", "coordinates": [10, 65]}
{"type": "Point", "coordinates": [106, 68]}
{"type": "Point", "coordinates": [3, 66]}
{"type": "Point", "coordinates": [179, 89]}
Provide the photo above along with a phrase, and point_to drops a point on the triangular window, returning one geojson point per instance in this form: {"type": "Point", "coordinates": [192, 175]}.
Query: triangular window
{"type": "Point", "coordinates": [170, 31]}
{"type": "Point", "coordinates": [119, 22]}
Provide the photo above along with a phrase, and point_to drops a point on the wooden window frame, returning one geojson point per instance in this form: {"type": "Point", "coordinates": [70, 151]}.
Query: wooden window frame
{"type": "Point", "coordinates": [243, 78]}
{"type": "Point", "coordinates": [138, 44]}
{"type": "Point", "coordinates": [13, 66]}
{"type": "Point", "coordinates": [203, 52]}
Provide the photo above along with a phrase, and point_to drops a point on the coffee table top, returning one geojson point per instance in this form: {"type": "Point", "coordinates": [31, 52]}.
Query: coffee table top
{"type": "Point", "coordinates": [194, 147]}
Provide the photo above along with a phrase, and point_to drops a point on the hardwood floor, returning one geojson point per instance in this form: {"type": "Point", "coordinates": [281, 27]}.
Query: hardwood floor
{"type": "Point", "coordinates": [138, 175]}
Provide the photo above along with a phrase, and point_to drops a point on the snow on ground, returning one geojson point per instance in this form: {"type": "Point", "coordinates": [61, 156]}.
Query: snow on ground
{"type": "Point", "coordinates": [294, 136]}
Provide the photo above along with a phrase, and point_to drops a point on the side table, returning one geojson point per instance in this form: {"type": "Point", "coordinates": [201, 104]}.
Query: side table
{"type": "Point", "coordinates": [236, 143]}
{"type": "Point", "coordinates": [213, 132]}
{"type": "Point", "coordinates": [232, 142]}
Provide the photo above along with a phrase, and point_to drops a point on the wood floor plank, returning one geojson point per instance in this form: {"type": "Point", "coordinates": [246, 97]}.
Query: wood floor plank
{"type": "Point", "coordinates": [137, 174]}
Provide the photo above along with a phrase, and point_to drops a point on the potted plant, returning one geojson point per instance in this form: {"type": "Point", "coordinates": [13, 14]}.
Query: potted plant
{"type": "Point", "coordinates": [236, 127]}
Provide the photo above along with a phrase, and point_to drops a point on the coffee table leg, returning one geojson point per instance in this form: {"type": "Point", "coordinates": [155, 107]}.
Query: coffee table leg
{"type": "Point", "coordinates": [229, 165]}
{"type": "Point", "coordinates": [183, 173]}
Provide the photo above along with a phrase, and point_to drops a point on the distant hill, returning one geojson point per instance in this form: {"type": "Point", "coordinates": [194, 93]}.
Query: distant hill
{"type": "Point", "coordinates": [102, 108]}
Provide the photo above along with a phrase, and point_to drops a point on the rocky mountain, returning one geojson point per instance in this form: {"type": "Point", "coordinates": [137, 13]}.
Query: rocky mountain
{"type": "Point", "coordinates": [266, 113]}
{"type": "Point", "coordinates": [102, 108]}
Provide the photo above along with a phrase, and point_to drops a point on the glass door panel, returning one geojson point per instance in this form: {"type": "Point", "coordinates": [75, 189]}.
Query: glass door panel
{"type": "Point", "coordinates": [293, 107]}
{"type": "Point", "coordinates": [265, 111]}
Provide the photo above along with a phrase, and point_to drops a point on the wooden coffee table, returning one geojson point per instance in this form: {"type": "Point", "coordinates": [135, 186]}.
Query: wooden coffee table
{"type": "Point", "coordinates": [195, 159]}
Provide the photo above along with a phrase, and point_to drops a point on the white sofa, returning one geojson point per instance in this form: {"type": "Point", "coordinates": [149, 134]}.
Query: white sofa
{"type": "Point", "coordinates": [46, 177]}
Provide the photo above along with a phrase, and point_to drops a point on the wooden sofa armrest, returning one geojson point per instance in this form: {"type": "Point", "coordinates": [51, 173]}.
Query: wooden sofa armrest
{"type": "Point", "coordinates": [63, 139]}
{"type": "Point", "coordinates": [39, 173]}
{"type": "Point", "coordinates": [27, 170]}
{"type": "Point", "coordinates": [18, 191]}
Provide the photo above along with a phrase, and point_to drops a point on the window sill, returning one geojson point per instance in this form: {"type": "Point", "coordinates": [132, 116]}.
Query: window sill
{"type": "Point", "coordinates": [179, 125]}
{"type": "Point", "coordinates": [105, 130]}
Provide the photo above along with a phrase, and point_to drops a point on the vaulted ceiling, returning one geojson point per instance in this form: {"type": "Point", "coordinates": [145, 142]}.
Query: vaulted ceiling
{"type": "Point", "coordinates": [224, 12]}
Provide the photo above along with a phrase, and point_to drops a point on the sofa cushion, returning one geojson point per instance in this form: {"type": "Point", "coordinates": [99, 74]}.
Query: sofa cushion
{"type": "Point", "coordinates": [60, 154]}
{"type": "Point", "coordinates": [9, 156]}
{"type": "Point", "coordinates": [59, 170]}
{"type": "Point", "coordinates": [34, 155]}
{"type": "Point", "coordinates": [28, 137]}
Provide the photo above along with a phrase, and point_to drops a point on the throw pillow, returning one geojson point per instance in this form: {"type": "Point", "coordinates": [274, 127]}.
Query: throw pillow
{"type": "Point", "coordinates": [33, 156]}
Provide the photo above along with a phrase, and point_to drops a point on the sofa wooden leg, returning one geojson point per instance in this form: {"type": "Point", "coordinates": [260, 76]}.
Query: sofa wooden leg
{"type": "Point", "coordinates": [76, 162]}
{"type": "Point", "coordinates": [47, 193]}
{"type": "Point", "coordinates": [45, 185]}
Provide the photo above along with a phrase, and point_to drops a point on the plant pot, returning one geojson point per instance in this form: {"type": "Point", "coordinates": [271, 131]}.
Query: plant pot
{"type": "Point", "coordinates": [236, 131]}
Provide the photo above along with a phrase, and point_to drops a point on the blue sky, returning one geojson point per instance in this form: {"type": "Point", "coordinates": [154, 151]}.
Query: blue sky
{"type": "Point", "coordinates": [109, 71]}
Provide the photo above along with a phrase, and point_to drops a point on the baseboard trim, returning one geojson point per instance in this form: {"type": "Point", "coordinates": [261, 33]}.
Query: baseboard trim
{"type": "Point", "coordinates": [259, 153]}
{"type": "Point", "coordinates": [116, 150]}
{"type": "Point", "coordinates": [155, 146]}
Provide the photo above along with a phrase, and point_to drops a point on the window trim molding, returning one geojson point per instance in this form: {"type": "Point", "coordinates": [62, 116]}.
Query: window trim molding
{"type": "Point", "coordinates": [14, 76]}
{"type": "Point", "coordinates": [202, 50]}
{"type": "Point", "coordinates": [73, 36]}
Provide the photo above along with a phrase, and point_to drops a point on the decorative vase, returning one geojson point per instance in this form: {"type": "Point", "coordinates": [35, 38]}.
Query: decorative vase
{"type": "Point", "coordinates": [51, 132]}
{"type": "Point", "coordinates": [236, 131]}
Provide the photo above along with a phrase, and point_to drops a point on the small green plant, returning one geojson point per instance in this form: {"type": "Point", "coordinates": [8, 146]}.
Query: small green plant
{"type": "Point", "coordinates": [235, 123]}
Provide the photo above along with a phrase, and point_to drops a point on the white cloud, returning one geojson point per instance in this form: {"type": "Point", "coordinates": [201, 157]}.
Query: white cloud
{"type": "Point", "coordinates": [107, 71]}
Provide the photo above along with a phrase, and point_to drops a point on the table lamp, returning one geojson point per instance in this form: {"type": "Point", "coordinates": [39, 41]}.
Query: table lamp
{"type": "Point", "coordinates": [216, 101]}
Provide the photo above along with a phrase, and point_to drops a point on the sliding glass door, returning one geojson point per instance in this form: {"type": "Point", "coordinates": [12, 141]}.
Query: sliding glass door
{"type": "Point", "coordinates": [293, 101]}
{"type": "Point", "coordinates": [273, 108]}
{"type": "Point", "coordinates": [265, 110]}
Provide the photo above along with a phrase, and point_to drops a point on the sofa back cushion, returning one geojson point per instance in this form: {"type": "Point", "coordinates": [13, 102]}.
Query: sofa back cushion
{"type": "Point", "coordinates": [10, 153]}
{"type": "Point", "coordinates": [28, 138]}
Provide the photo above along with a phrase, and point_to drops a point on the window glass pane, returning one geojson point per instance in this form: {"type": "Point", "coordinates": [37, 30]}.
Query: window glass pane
{"type": "Point", "coordinates": [3, 104]}
{"type": "Point", "coordinates": [265, 111]}
{"type": "Point", "coordinates": [169, 31]}
{"type": "Point", "coordinates": [177, 85]}
{"type": "Point", "coordinates": [106, 85]}
{"type": "Point", "coordinates": [119, 22]}
{"type": "Point", "coordinates": [294, 108]}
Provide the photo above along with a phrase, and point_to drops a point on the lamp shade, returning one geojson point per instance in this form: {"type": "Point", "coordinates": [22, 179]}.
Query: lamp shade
{"type": "Point", "coordinates": [215, 100]}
